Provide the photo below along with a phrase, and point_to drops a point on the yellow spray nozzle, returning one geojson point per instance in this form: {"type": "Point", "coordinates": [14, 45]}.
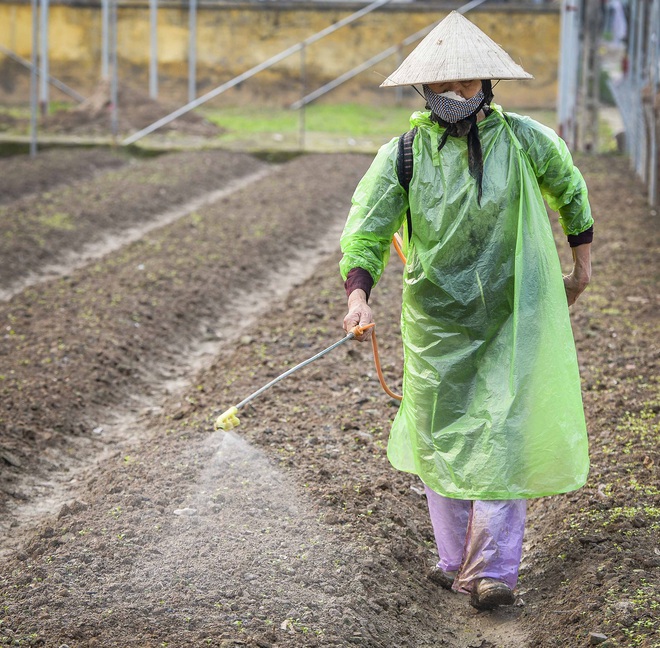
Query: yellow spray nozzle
{"type": "Point", "coordinates": [227, 420]}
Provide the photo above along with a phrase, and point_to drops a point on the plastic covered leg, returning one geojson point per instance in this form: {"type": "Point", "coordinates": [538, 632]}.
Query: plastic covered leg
{"type": "Point", "coordinates": [493, 547]}
{"type": "Point", "coordinates": [449, 518]}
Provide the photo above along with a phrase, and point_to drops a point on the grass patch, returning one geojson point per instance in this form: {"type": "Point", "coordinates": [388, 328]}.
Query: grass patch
{"type": "Point", "coordinates": [58, 221]}
{"type": "Point", "coordinates": [327, 127]}
{"type": "Point", "coordinates": [339, 119]}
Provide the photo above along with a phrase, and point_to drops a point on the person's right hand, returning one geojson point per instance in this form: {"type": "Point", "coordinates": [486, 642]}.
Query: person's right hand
{"type": "Point", "coordinates": [359, 314]}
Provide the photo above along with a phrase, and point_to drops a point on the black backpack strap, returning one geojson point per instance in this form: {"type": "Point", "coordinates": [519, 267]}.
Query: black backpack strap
{"type": "Point", "coordinates": [404, 161]}
{"type": "Point", "coordinates": [404, 165]}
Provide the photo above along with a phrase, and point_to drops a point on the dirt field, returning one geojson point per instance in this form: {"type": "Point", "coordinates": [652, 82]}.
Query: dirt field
{"type": "Point", "coordinates": [141, 298]}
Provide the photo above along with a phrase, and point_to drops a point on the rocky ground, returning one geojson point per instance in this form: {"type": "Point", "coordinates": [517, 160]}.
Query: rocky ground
{"type": "Point", "coordinates": [127, 520]}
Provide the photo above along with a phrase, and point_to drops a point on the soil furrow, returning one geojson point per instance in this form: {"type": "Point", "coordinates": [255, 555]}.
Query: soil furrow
{"type": "Point", "coordinates": [21, 176]}
{"type": "Point", "coordinates": [39, 230]}
{"type": "Point", "coordinates": [108, 242]}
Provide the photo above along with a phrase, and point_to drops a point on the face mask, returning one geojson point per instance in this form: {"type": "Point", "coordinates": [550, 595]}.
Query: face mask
{"type": "Point", "coordinates": [451, 107]}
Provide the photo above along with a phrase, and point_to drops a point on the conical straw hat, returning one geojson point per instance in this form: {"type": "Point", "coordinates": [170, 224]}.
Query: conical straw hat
{"type": "Point", "coordinates": [456, 50]}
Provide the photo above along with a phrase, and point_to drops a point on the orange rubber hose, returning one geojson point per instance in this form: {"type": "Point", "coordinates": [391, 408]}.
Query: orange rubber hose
{"type": "Point", "coordinates": [397, 242]}
{"type": "Point", "coordinates": [379, 371]}
{"type": "Point", "coordinates": [398, 246]}
{"type": "Point", "coordinates": [359, 330]}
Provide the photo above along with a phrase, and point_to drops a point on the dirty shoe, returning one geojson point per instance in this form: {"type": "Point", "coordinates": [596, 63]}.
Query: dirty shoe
{"type": "Point", "coordinates": [489, 593]}
{"type": "Point", "coordinates": [441, 577]}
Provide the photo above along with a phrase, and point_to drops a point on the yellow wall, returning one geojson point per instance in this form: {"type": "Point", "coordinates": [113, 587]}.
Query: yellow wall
{"type": "Point", "coordinates": [232, 39]}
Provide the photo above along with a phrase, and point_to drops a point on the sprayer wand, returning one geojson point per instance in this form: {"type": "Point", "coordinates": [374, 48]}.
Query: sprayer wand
{"type": "Point", "coordinates": [229, 420]}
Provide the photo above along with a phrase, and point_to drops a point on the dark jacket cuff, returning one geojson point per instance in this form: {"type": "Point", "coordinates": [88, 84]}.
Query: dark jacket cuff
{"type": "Point", "coordinates": [358, 278]}
{"type": "Point", "coordinates": [583, 237]}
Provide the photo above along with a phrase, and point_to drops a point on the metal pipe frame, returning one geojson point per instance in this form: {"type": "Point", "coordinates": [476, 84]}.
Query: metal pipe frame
{"type": "Point", "coordinates": [568, 74]}
{"type": "Point", "coordinates": [34, 99]}
{"type": "Point", "coordinates": [153, 42]}
{"type": "Point", "coordinates": [44, 97]}
{"type": "Point", "coordinates": [251, 72]}
{"type": "Point", "coordinates": [390, 51]}
{"type": "Point", "coordinates": [114, 72]}
{"type": "Point", "coordinates": [653, 57]}
{"type": "Point", "coordinates": [192, 51]}
{"type": "Point", "coordinates": [52, 80]}
{"type": "Point", "coordinates": [105, 55]}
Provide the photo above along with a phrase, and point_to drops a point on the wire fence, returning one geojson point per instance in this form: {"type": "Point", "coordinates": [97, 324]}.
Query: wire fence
{"type": "Point", "coordinates": [637, 91]}
{"type": "Point", "coordinates": [613, 45]}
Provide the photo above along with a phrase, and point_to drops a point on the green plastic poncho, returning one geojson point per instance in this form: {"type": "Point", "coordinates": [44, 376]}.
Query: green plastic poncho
{"type": "Point", "coordinates": [491, 407]}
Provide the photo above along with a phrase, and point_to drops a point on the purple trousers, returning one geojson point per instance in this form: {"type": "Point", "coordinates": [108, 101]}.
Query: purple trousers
{"type": "Point", "coordinates": [478, 539]}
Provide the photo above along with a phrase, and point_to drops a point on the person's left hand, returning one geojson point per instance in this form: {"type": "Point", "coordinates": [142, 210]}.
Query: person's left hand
{"type": "Point", "coordinates": [574, 287]}
{"type": "Point", "coordinates": [576, 282]}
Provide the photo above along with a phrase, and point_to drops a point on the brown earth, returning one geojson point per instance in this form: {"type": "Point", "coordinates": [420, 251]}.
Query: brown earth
{"type": "Point", "coordinates": [127, 521]}
{"type": "Point", "coordinates": [21, 176]}
{"type": "Point", "coordinates": [48, 228]}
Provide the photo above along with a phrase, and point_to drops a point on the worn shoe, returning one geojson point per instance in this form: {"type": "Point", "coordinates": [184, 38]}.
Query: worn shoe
{"type": "Point", "coordinates": [441, 577]}
{"type": "Point", "coordinates": [488, 593]}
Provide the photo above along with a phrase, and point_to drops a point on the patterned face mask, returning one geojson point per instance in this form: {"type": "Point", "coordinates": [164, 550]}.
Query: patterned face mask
{"type": "Point", "coordinates": [451, 109]}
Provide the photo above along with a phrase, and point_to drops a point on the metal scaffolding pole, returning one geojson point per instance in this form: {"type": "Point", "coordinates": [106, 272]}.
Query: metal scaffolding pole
{"type": "Point", "coordinates": [51, 79]}
{"type": "Point", "coordinates": [114, 82]}
{"type": "Point", "coordinates": [33, 79]}
{"type": "Point", "coordinates": [153, 59]}
{"type": "Point", "coordinates": [632, 131]}
{"type": "Point", "coordinates": [640, 162]}
{"type": "Point", "coordinates": [588, 132]}
{"type": "Point", "coordinates": [568, 72]}
{"type": "Point", "coordinates": [105, 56]}
{"type": "Point", "coordinates": [44, 97]}
{"type": "Point", "coordinates": [303, 86]}
{"type": "Point", "coordinates": [192, 51]}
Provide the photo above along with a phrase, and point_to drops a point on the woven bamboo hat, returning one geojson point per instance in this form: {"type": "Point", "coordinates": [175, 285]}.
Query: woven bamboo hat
{"type": "Point", "coordinates": [456, 50]}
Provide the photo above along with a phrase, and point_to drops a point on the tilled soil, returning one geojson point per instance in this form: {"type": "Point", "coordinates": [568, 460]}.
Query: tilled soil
{"type": "Point", "coordinates": [128, 521]}
{"type": "Point", "coordinates": [49, 229]}
{"type": "Point", "coordinates": [21, 175]}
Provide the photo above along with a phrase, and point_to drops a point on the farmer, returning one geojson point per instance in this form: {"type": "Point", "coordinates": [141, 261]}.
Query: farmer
{"type": "Point", "coordinates": [491, 412]}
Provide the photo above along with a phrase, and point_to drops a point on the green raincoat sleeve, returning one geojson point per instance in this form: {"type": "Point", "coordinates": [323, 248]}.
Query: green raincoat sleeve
{"type": "Point", "coordinates": [561, 183]}
{"type": "Point", "coordinates": [378, 209]}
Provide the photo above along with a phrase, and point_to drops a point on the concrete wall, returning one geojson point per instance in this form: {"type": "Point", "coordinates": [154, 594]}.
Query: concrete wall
{"type": "Point", "coordinates": [233, 37]}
